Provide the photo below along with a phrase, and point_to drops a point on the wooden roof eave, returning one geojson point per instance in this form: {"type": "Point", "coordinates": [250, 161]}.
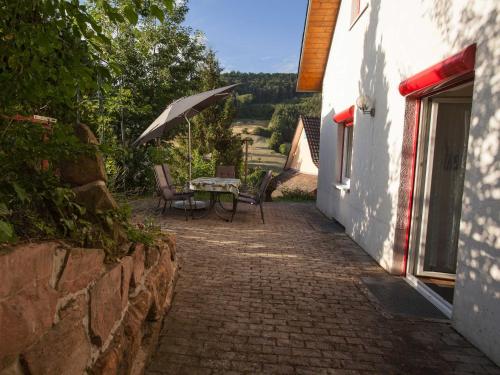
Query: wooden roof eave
{"type": "Point", "coordinates": [317, 38]}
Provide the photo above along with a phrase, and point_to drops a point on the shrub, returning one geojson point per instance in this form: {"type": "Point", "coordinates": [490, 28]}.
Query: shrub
{"type": "Point", "coordinates": [284, 121]}
{"type": "Point", "coordinates": [284, 148]}
{"type": "Point", "coordinates": [261, 131]}
{"type": "Point", "coordinates": [255, 176]}
{"type": "Point", "coordinates": [130, 169]}
{"type": "Point", "coordinates": [285, 117]}
{"type": "Point", "coordinates": [179, 164]}
{"type": "Point", "coordinates": [275, 141]}
{"type": "Point", "coordinates": [244, 99]}
{"type": "Point", "coordinates": [35, 203]}
{"type": "Point", "coordinates": [296, 195]}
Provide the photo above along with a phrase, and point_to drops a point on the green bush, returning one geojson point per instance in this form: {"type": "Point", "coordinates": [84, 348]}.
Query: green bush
{"type": "Point", "coordinates": [57, 58]}
{"type": "Point", "coordinates": [254, 178]}
{"type": "Point", "coordinates": [244, 99]}
{"type": "Point", "coordinates": [296, 195]}
{"type": "Point", "coordinates": [32, 200]}
{"type": "Point", "coordinates": [285, 117]}
{"type": "Point", "coordinates": [284, 148]}
{"type": "Point", "coordinates": [35, 204]}
{"type": "Point", "coordinates": [261, 131]}
{"type": "Point", "coordinates": [179, 164]}
{"type": "Point", "coordinates": [275, 141]}
{"type": "Point", "coordinates": [130, 170]}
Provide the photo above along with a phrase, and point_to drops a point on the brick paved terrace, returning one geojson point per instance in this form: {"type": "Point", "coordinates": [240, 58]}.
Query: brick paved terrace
{"type": "Point", "coordinates": [286, 298]}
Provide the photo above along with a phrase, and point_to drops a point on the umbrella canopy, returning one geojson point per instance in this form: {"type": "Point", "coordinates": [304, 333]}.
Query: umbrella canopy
{"type": "Point", "coordinates": [180, 110]}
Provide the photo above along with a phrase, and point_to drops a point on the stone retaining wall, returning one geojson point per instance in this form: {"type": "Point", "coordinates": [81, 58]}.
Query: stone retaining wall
{"type": "Point", "coordinates": [64, 311]}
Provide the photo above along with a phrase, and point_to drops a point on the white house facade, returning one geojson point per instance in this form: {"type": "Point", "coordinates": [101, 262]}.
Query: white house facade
{"type": "Point", "coordinates": [409, 144]}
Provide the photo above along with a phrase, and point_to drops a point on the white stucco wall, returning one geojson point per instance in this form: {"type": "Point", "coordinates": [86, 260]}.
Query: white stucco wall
{"type": "Point", "coordinates": [302, 160]}
{"type": "Point", "coordinates": [391, 41]}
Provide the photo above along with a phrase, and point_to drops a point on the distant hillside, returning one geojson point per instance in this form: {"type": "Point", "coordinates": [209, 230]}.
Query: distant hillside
{"type": "Point", "coordinates": [259, 92]}
{"type": "Point", "coordinates": [272, 96]}
{"type": "Point", "coordinates": [265, 87]}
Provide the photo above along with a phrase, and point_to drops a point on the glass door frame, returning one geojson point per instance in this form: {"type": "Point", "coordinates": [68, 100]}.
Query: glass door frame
{"type": "Point", "coordinates": [426, 129]}
{"type": "Point", "coordinates": [424, 181]}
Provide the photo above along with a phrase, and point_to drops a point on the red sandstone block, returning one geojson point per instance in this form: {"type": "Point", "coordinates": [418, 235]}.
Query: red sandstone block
{"type": "Point", "coordinates": [137, 313]}
{"type": "Point", "coordinates": [26, 266]}
{"type": "Point", "coordinates": [109, 363]}
{"type": "Point", "coordinates": [26, 316]}
{"type": "Point", "coordinates": [170, 240]}
{"type": "Point", "coordinates": [158, 282]}
{"type": "Point", "coordinates": [105, 304]}
{"type": "Point", "coordinates": [152, 254]}
{"type": "Point", "coordinates": [65, 349]}
{"type": "Point", "coordinates": [82, 267]}
{"type": "Point", "coordinates": [139, 259]}
{"type": "Point", "coordinates": [127, 269]}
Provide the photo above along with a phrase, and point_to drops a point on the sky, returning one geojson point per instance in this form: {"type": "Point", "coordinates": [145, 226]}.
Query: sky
{"type": "Point", "coordinates": [251, 35]}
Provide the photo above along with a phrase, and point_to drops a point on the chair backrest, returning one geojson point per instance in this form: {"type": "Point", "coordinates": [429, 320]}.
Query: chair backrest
{"type": "Point", "coordinates": [161, 181]}
{"type": "Point", "coordinates": [168, 176]}
{"type": "Point", "coordinates": [163, 188]}
{"type": "Point", "coordinates": [225, 171]}
{"type": "Point", "coordinates": [264, 184]}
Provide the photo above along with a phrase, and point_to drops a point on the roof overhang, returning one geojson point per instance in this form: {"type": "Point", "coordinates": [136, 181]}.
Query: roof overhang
{"type": "Point", "coordinates": [320, 24]}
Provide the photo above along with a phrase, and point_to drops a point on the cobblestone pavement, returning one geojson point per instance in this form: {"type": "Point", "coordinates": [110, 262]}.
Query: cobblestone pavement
{"type": "Point", "coordinates": [286, 298]}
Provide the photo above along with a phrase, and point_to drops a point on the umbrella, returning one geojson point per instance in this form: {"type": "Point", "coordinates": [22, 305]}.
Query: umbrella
{"type": "Point", "coordinates": [180, 110]}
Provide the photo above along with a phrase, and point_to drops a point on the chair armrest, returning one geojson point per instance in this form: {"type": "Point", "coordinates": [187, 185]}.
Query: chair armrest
{"type": "Point", "coordinates": [167, 193]}
{"type": "Point", "coordinates": [247, 194]}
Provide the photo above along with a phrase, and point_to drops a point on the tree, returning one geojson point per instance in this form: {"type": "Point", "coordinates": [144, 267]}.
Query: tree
{"type": "Point", "coordinates": [159, 62]}
{"type": "Point", "coordinates": [53, 55]}
{"type": "Point", "coordinates": [54, 51]}
{"type": "Point", "coordinates": [266, 90]}
{"type": "Point", "coordinates": [212, 127]}
{"type": "Point", "coordinates": [285, 117]}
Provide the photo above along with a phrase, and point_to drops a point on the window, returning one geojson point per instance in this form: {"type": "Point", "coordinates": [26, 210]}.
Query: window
{"type": "Point", "coordinates": [345, 119]}
{"type": "Point", "coordinates": [355, 4]}
{"type": "Point", "coordinates": [346, 155]}
{"type": "Point", "coordinates": [357, 9]}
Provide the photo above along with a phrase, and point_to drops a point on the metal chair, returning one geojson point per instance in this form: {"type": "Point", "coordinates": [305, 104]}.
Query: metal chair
{"type": "Point", "coordinates": [255, 199]}
{"type": "Point", "coordinates": [166, 190]}
{"type": "Point", "coordinates": [225, 171]}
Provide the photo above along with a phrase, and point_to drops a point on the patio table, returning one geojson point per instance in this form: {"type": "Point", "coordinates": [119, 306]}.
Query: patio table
{"type": "Point", "coordinates": [216, 186]}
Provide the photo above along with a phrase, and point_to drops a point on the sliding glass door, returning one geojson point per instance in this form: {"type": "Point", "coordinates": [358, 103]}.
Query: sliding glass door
{"type": "Point", "coordinates": [441, 179]}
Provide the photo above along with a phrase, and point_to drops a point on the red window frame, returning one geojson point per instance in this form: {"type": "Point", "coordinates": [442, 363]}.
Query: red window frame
{"type": "Point", "coordinates": [346, 119]}
{"type": "Point", "coordinates": [450, 72]}
{"type": "Point", "coordinates": [355, 10]}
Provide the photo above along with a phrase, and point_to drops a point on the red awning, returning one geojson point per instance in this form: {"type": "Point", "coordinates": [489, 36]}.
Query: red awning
{"type": "Point", "coordinates": [448, 69]}
{"type": "Point", "coordinates": [346, 117]}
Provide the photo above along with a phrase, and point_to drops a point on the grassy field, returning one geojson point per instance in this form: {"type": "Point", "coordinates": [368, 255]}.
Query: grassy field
{"type": "Point", "coordinates": [259, 155]}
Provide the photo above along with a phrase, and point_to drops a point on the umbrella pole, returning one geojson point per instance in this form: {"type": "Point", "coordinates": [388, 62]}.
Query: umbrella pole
{"type": "Point", "coordinates": [189, 145]}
